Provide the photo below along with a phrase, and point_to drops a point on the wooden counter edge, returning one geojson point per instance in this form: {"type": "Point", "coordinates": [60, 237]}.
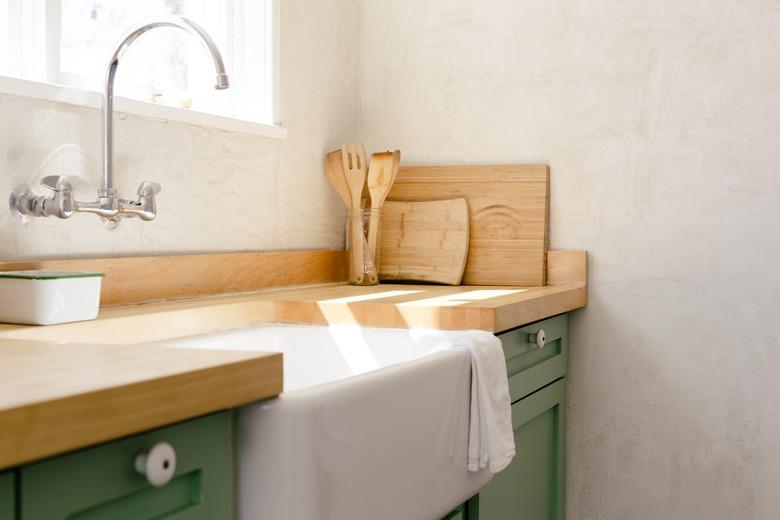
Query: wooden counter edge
{"type": "Point", "coordinates": [42, 430]}
{"type": "Point", "coordinates": [566, 269]}
{"type": "Point", "coordinates": [522, 313]}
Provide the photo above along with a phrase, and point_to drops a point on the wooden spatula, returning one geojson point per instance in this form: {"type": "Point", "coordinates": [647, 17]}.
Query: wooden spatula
{"type": "Point", "coordinates": [381, 174]}
{"type": "Point", "coordinates": [353, 158]}
{"type": "Point", "coordinates": [334, 168]}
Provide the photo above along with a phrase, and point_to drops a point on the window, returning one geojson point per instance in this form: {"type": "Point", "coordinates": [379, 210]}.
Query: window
{"type": "Point", "coordinates": [69, 42]}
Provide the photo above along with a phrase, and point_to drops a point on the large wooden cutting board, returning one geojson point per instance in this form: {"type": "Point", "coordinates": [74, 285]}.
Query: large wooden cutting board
{"type": "Point", "coordinates": [424, 241]}
{"type": "Point", "coordinates": [508, 212]}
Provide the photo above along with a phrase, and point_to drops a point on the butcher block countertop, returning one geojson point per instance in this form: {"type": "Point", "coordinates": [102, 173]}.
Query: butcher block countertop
{"type": "Point", "coordinates": [64, 387]}
{"type": "Point", "coordinates": [494, 309]}
{"type": "Point", "coordinates": [56, 398]}
{"type": "Point", "coordinates": [490, 308]}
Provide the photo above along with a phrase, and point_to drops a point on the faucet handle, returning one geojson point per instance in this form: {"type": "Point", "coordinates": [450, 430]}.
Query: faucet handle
{"type": "Point", "coordinates": [149, 189]}
{"type": "Point", "coordinates": [57, 183]}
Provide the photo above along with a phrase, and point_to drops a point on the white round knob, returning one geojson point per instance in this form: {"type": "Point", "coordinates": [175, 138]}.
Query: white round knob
{"type": "Point", "coordinates": [541, 338]}
{"type": "Point", "coordinates": [159, 464]}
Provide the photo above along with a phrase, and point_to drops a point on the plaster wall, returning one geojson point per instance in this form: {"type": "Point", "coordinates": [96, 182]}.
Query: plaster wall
{"type": "Point", "coordinates": [660, 120]}
{"type": "Point", "coordinates": [222, 191]}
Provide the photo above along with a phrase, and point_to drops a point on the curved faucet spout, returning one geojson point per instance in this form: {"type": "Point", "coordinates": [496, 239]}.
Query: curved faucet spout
{"type": "Point", "coordinates": [107, 187]}
{"type": "Point", "coordinates": [23, 202]}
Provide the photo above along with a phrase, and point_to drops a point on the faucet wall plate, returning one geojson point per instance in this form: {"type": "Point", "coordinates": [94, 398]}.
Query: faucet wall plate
{"type": "Point", "coordinates": [18, 198]}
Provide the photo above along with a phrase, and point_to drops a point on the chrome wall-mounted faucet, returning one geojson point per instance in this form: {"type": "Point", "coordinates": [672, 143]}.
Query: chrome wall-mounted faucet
{"type": "Point", "coordinates": [109, 205]}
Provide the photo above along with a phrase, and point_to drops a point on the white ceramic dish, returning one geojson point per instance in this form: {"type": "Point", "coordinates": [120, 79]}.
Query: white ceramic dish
{"type": "Point", "coordinates": [372, 424]}
{"type": "Point", "coordinates": [49, 297]}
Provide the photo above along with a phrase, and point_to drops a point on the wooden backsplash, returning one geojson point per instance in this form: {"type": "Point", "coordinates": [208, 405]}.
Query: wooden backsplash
{"type": "Point", "coordinates": [150, 278]}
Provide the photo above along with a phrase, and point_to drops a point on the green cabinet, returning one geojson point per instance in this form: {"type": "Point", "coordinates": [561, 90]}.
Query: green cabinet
{"type": "Point", "coordinates": [531, 364]}
{"type": "Point", "coordinates": [8, 496]}
{"type": "Point", "coordinates": [532, 486]}
{"type": "Point", "coordinates": [457, 514]}
{"type": "Point", "coordinates": [103, 483]}
{"type": "Point", "coordinates": [467, 511]}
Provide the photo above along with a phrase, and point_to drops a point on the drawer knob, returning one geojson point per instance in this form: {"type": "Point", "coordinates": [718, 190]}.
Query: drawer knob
{"type": "Point", "coordinates": [159, 464]}
{"type": "Point", "coordinates": [540, 338]}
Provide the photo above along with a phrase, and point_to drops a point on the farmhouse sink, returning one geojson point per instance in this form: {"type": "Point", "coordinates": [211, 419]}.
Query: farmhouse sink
{"type": "Point", "coordinates": [372, 423]}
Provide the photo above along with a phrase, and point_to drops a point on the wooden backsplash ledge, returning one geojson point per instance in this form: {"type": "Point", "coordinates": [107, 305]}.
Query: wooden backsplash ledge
{"type": "Point", "coordinates": [152, 278]}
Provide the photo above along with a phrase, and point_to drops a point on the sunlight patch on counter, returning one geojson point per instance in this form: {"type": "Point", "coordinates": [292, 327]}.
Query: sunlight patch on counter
{"type": "Point", "coordinates": [452, 300]}
{"type": "Point", "coordinates": [367, 297]}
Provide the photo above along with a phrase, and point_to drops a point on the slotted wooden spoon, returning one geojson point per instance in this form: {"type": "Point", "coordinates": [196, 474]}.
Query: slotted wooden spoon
{"type": "Point", "coordinates": [353, 158]}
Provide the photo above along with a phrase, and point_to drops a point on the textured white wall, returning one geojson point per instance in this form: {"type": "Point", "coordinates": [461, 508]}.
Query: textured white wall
{"type": "Point", "coordinates": [221, 190]}
{"type": "Point", "coordinates": [660, 120]}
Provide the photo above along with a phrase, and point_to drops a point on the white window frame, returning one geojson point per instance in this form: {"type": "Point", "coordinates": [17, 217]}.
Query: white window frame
{"type": "Point", "coordinates": [38, 57]}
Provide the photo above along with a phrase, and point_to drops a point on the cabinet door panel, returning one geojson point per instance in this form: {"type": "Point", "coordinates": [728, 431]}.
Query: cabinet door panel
{"type": "Point", "coordinates": [102, 483]}
{"type": "Point", "coordinates": [532, 487]}
{"type": "Point", "coordinates": [7, 496]}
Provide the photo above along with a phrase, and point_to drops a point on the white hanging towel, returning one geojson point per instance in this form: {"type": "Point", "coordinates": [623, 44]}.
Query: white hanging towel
{"type": "Point", "coordinates": [491, 438]}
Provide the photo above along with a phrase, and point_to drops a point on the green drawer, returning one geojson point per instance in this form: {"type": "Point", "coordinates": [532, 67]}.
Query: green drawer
{"type": "Point", "coordinates": [7, 496]}
{"type": "Point", "coordinates": [532, 486]}
{"type": "Point", "coordinates": [102, 483]}
{"type": "Point", "coordinates": [530, 367]}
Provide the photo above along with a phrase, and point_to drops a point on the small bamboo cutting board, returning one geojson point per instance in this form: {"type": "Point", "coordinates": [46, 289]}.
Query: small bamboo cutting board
{"type": "Point", "coordinates": [508, 212]}
{"type": "Point", "coordinates": [424, 241]}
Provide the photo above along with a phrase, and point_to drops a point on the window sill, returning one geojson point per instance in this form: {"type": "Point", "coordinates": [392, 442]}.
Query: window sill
{"type": "Point", "coordinates": [88, 98]}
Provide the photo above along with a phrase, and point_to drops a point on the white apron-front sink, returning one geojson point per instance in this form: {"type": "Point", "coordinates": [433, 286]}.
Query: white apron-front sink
{"type": "Point", "coordinates": [372, 424]}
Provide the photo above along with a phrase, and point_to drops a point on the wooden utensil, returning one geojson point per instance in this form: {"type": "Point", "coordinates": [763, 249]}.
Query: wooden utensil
{"type": "Point", "coordinates": [381, 172]}
{"type": "Point", "coordinates": [380, 176]}
{"type": "Point", "coordinates": [334, 168]}
{"type": "Point", "coordinates": [396, 165]}
{"type": "Point", "coordinates": [425, 241]}
{"type": "Point", "coordinates": [508, 212]}
{"type": "Point", "coordinates": [353, 158]}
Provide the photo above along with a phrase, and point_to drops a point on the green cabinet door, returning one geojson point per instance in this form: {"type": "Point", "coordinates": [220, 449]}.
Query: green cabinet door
{"type": "Point", "coordinates": [102, 483]}
{"type": "Point", "coordinates": [7, 496]}
{"type": "Point", "coordinates": [532, 486]}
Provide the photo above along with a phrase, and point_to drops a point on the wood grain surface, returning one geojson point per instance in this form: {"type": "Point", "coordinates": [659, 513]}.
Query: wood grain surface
{"type": "Point", "coordinates": [493, 308]}
{"type": "Point", "coordinates": [152, 278]}
{"type": "Point", "coordinates": [424, 241]}
{"type": "Point", "coordinates": [508, 209]}
{"type": "Point", "coordinates": [567, 267]}
{"type": "Point", "coordinates": [56, 398]}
